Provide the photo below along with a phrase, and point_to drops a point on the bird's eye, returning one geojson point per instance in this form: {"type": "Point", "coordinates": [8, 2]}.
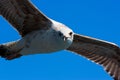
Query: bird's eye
{"type": "Point", "coordinates": [70, 33]}
{"type": "Point", "coordinates": [60, 34]}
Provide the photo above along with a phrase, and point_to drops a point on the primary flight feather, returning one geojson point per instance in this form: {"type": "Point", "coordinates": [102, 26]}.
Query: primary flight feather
{"type": "Point", "coordinates": [40, 34]}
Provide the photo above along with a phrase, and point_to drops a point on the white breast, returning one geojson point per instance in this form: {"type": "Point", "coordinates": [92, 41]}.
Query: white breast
{"type": "Point", "coordinates": [43, 42]}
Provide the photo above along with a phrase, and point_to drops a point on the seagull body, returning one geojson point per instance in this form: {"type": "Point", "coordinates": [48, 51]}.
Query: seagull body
{"type": "Point", "coordinates": [40, 34]}
{"type": "Point", "coordinates": [45, 41]}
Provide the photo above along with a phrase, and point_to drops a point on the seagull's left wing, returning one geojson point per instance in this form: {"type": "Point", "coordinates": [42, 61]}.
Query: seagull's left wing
{"type": "Point", "coordinates": [24, 16]}
{"type": "Point", "coordinates": [101, 52]}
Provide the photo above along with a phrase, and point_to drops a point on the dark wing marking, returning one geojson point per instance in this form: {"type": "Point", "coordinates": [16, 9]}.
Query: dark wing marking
{"type": "Point", "coordinates": [23, 16]}
{"type": "Point", "coordinates": [103, 53]}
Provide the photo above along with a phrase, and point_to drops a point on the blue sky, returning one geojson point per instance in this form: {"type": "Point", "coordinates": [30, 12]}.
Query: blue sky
{"type": "Point", "coordinates": [95, 18]}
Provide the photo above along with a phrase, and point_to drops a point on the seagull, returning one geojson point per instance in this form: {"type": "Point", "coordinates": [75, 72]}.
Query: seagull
{"type": "Point", "coordinates": [41, 35]}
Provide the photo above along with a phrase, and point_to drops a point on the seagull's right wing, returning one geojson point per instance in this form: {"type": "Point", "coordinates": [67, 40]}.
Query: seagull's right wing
{"type": "Point", "coordinates": [101, 52]}
{"type": "Point", "coordinates": [23, 16]}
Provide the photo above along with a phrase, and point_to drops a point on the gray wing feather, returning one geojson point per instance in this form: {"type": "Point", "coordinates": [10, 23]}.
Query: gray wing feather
{"type": "Point", "coordinates": [101, 52]}
{"type": "Point", "coordinates": [23, 16]}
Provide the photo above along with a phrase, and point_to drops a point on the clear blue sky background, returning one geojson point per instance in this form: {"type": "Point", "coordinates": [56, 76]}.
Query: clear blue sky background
{"type": "Point", "coordinates": [95, 18]}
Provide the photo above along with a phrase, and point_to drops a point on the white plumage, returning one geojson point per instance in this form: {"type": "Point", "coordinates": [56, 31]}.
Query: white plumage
{"type": "Point", "coordinates": [47, 41]}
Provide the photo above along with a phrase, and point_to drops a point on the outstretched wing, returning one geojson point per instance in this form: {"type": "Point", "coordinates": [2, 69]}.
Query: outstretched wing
{"type": "Point", "coordinates": [101, 52]}
{"type": "Point", "coordinates": [23, 16]}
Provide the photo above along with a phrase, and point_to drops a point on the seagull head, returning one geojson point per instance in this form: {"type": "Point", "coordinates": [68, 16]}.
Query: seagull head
{"type": "Point", "coordinates": [63, 32]}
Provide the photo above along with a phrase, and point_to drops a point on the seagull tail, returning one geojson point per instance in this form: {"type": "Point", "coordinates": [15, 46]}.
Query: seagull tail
{"type": "Point", "coordinates": [3, 51]}
{"type": "Point", "coordinates": [7, 52]}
